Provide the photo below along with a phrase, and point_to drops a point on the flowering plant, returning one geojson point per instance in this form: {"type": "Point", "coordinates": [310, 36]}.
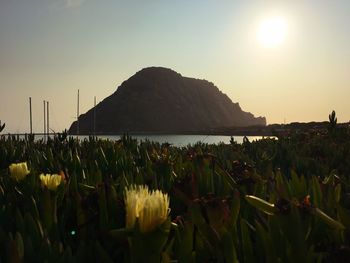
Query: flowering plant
{"type": "Point", "coordinates": [19, 171]}
{"type": "Point", "coordinates": [147, 215]}
{"type": "Point", "coordinates": [50, 182]}
{"type": "Point", "coordinates": [150, 208]}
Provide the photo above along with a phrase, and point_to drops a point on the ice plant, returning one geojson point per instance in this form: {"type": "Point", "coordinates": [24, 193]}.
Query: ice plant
{"type": "Point", "coordinates": [150, 208]}
{"type": "Point", "coordinates": [19, 171]}
{"type": "Point", "coordinates": [48, 199]}
{"type": "Point", "coordinates": [147, 216]}
{"type": "Point", "coordinates": [262, 205]}
{"type": "Point", "coordinates": [50, 181]}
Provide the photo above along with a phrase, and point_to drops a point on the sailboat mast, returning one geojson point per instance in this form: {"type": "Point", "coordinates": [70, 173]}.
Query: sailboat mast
{"type": "Point", "coordinates": [95, 116]}
{"type": "Point", "coordinates": [30, 115]}
{"type": "Point", "coordinates": [44, 119]}
{"type": "Point", "coordinates": [78, 115]}
{"type": "Point", "coordinates": [48, 119]}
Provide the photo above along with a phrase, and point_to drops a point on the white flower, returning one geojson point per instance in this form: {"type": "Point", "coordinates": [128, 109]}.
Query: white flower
{"type": "Point", "coordinates": [151, 208]}
{"type": "Point", "coordinates": [50, 181]}
{"type": "Point", "coordinates": [19, 171]}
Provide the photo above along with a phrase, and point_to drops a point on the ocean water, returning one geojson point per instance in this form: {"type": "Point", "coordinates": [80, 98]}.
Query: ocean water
{"type": "Point", "coordinates": [175, 140]}
{"type": "Point", "coordinates": [184, 140]}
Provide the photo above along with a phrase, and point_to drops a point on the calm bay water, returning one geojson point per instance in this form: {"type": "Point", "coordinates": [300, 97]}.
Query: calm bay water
{"type": "Point", "coordinates": [176, 140]}
{"type": "Point", "coordinates": [184, 140]}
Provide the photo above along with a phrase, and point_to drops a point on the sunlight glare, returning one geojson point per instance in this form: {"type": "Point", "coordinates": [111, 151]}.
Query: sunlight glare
{"type": "Point", "coordinates": [272, 32]}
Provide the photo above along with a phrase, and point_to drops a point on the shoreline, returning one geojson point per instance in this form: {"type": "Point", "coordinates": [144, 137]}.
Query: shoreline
{"type": "Point", "coordinates": [269, 130]}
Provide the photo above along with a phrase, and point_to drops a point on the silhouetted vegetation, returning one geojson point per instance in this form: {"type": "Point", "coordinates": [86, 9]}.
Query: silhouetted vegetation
{"type": "Point", "coordinates": [2, 127]}
{"type": "Point", "coordinates": [332, 122]}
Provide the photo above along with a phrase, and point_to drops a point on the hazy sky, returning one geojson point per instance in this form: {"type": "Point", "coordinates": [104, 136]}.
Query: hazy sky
{"type": "Point", "coordinates": [51, 48]}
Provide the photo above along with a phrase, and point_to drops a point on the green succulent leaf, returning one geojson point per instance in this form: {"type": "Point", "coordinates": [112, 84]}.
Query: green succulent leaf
{"type": "Point", "coordinates": [261, 204]}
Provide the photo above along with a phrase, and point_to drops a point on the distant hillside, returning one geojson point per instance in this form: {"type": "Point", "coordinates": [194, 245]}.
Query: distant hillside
{"type": "Point", "coordinates": [159, 100]}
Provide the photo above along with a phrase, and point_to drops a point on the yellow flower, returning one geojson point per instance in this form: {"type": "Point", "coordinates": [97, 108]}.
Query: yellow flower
{"type": "Point", "coordinates": [51, 181]}
{"type": "Point", "coordinates": [151, 208]}
{"type": "Point", "coordinates": [19, 171]}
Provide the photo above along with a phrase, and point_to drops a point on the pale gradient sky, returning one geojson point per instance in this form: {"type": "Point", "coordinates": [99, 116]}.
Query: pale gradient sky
{"type": "Point", "coordinates": [51, 48]}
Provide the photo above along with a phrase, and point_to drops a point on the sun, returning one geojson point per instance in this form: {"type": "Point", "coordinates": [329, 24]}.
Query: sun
{"type": "Point", "coordinates": [272, 32]}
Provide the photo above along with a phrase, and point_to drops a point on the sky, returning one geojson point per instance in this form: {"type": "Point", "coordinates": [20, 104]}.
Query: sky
{"type": "Point", "coordinates": [51, 48]}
